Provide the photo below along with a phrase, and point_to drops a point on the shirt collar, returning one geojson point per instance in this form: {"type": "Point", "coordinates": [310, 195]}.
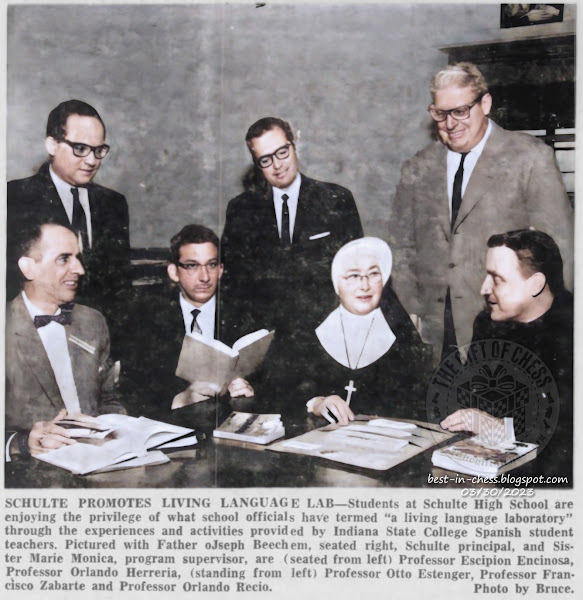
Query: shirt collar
{"type": "Point", "coordinates": [63, 188]}
{"type": "Point", "coordinates": [188, 307]}
{"type": "Point", "coordinates": [292, 190]}
{"type": "Point", "coordinates": [476, 151]}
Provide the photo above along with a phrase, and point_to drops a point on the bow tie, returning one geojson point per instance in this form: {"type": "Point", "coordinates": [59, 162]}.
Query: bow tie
{"type": "Point", "coordinates": [64, 318]}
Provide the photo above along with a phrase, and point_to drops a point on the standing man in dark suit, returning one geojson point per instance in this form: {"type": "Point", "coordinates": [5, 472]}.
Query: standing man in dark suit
{"type": "Point", "coordinates": [63, 191]}
{"type": "Point", "coordinates": [57, 352]}
{"type": "Point", "coordinates": [163, 321]}
{"type": "Point", "coordinates": [478, 179]}
{"type": "Point", "coordinates": [279, 239]}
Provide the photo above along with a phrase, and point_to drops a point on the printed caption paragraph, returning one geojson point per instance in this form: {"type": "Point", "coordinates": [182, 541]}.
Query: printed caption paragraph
{"type": "Point", "coordinates": [263, 544]}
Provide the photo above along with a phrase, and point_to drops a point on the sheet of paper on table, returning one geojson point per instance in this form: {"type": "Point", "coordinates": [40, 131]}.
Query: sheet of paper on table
{"type": "Point", "coordinates": [367, 442]}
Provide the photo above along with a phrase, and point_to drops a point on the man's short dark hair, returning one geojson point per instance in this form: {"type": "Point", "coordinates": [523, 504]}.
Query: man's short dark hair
{"type": "Point", "coordinates": [537, 252]}
{"type": "Point", "coordinates": [57, 120]}
{"type": "Point", "coordinates": [191, 234]}
{"type": "Point", "coordinates": [253, 179]}
{"type": "Point", "coordinates": [267, 124]}
{"type": "Point", "coordinates": [30, 235]}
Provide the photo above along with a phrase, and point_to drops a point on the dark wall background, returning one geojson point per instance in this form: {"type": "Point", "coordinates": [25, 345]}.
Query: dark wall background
{"type": "Point", "coordinates": [178, 86]}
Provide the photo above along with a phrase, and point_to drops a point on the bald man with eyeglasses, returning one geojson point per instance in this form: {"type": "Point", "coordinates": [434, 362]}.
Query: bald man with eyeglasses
{"type": "Point", "coordinates": [63, 191]}
{"type": "Point", "coordinates": [476, 180]}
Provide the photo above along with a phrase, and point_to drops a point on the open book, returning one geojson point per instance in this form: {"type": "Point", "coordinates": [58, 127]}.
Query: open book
{"type": "Point", "coordinates": [474, 457]}
{"type": "Point", "coordinates": [113, 441]}
{"type": "Point", "coordinates": [248, 427]}
{"type": "Point", "coordinates": [213, 362]}
{"type": "Point", "coordinates": [367, 442]}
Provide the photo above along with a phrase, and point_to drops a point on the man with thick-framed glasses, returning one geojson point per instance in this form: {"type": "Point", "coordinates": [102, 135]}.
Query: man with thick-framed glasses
{"type": "Point", "coordinates": [279, 239]}
{"type": "Point", "coordinates": [158, 324]}
{"type": "Point", "coordinates": [476, 180]}
{"type": "Point", "coordinates": [63, 191]}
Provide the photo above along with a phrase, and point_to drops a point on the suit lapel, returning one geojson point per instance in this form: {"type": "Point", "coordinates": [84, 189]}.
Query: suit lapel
{"type": "Point", "coordinates": [268, 212]}
{"type": "Point", "coordinates": [95, 214]}
{"type": "Point", "coordinates": [307, 215]}
{"type": "Point", "coordinates": [303, 210]}
{"type": "Point", "coordinates": [482, 175]}
{"type": "Point", "coordinates": [80, 351]}
{"type": "Point", "coordinates": [56, 208]}
{"type": "Point", "coordinates": [438, 189]}
{"type": "Point", "coordinates": [34, 353]}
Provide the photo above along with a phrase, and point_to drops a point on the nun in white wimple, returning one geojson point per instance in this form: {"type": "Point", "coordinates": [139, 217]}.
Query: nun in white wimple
{"type": "Point", "coordinates": [370, 354]}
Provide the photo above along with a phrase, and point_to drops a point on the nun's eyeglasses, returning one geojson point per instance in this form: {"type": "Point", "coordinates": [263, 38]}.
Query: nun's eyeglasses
{"type": "Point", "coordinates": [354, 279]}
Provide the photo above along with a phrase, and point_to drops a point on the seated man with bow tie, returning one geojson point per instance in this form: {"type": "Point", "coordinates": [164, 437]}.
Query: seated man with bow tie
{"type": "Point", "coordinates": [57, 353]}
{"type": "Point", "coordinates": [161, 322]}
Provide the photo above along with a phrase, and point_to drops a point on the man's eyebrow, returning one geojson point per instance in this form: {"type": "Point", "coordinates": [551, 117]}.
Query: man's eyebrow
{"type": "Point", "coordinates": [493, 273]}
{"type": "Point", "coordinates": [65, 255]}
{"type": "Point", "coordinates": [272, 153]}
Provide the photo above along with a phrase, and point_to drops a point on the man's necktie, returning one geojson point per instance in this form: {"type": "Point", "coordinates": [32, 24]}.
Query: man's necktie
{"type": "Point", "coordinates": [285, 239]}
{"type": "Point", "coordinates": [64, 317]}
{"type": "Point", "coordinates": [456, 196]}
{"type": "Point", "coordinates": [79, 222]}
{"type": "Point", "coordinates": [194, 326]}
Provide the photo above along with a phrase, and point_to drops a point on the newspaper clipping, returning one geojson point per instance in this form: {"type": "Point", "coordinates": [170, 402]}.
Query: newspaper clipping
{"type": "Point", "coordinates": [324, 499]}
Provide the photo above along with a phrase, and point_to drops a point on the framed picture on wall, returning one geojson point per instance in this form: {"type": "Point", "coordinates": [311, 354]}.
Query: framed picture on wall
{"type": "Point", "coordinates": [521, 15]}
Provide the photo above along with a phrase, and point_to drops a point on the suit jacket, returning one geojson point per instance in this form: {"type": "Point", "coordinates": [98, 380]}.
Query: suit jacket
{"type": "Point", "coordinates": [515, 184]}
{"type": "Point", "coordinates": [151, 353]}
{"type": "Point", "coordinates": [265, 285]}
{"type": "Point", "coordinates": [107, 263]}
{"type": "Point", "coordinates": [32, 393]}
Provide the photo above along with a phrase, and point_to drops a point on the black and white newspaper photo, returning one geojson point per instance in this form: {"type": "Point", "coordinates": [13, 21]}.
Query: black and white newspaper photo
{"type": "Point", "coordinates": [290, 297]}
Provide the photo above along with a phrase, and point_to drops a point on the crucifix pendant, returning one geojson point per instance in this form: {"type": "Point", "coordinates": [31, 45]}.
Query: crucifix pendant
{"type": "Point", "coordinates": [349, 388]}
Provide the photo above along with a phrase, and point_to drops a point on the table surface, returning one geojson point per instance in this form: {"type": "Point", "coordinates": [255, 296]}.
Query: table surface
{"type": "Point", "coordinates": [217, 463]}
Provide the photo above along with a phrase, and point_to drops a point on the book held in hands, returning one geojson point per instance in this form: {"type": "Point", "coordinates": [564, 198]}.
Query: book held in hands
{"type": "Point", "coordinates": [211, 361]}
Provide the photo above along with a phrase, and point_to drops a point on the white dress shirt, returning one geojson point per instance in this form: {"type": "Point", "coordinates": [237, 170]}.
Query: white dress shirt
{"type": "Point", "coordinates": [66, 196]}
{"type": "Point", "coordinates": [453, 163]}
{"type": "Point", "coordinates": [205, 319]}
{"type": "Point", "coordinates": [54, 340]}
{"type": "Point", "coordinates": [293, 192]}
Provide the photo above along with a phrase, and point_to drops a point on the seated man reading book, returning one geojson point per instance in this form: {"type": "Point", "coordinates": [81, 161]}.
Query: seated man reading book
{"type": "Point", "coordinates": [57, 353]}
{"type": "Point", "coordinates": [162, 322]}
{"type": "Point", "coordinates": [527, 304]}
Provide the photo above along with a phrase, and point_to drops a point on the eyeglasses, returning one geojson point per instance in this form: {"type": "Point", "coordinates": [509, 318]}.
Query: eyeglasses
{"type": "Point", "coordinates": [267, 159]}
{"type": "Point", "coordinates": [211, 266]}
{"type": "Point", "coordinates": [82, 150]}
{"type": "Point", "coordinates": [354, 279]}
{"type": "Point", "coordinates": [461, 113]}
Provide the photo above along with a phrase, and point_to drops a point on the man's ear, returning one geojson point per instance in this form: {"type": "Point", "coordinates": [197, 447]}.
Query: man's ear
{"type": "Point", "coordinates": [27, 266]}
{"type": "Point", "coordinates": [486, 103]}
{"type": "Point", "coordinates": [173, 272]}
{"type": "Point", "coordinates": [51, 145]}
{"type": "Point", "coordinates": [537, 283]}
{"type": "Point", "coordinates": [221, 268]}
